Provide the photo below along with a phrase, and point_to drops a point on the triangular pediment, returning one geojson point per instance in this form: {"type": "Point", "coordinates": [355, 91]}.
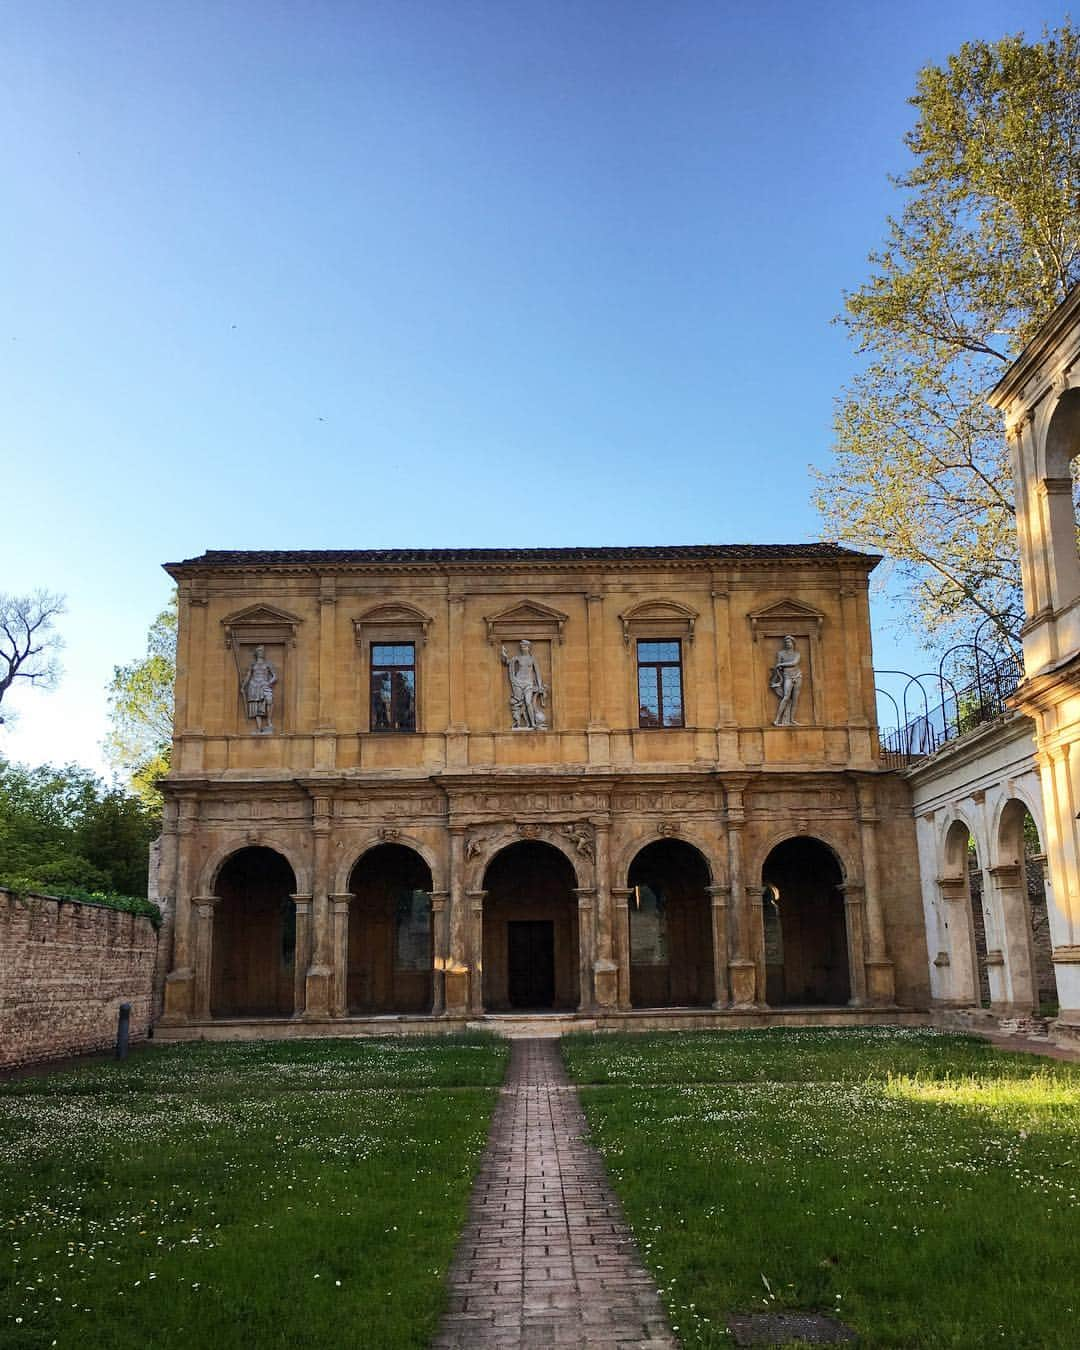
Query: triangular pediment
{"type": "Point", "coordinates": [531, 616]}
{"type": "Point", "coordinates": [258, 615]}
{"type": "Point", "coordinates": [787, 614]}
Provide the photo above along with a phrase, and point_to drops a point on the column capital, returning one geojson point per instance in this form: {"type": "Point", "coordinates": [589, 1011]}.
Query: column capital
{"type": "Point", "coordinates": [205, 902]}
{"type": "Point", "coordinates": [854, 892]}
{"type": "Point", "coordinates": [621, 892]}
{"type": "Point", "coordinates": [953, 888]}
{"type": "Point", "coordinates": [346, 896]}
{"type": "Point", "coordinates": [720, 896]}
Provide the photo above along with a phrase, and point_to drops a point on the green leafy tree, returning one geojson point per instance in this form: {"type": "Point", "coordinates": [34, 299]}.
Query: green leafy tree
{"type": "Point", "coordinates": [62, 829]}
{"type": "Point", "coordinates": [141, 710]}
{"type": "Point", "coordinates": [987, 244]}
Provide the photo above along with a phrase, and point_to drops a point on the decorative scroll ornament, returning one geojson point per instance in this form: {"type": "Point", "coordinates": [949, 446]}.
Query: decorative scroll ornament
{"type": "Point", "coordinates": [388, 835]}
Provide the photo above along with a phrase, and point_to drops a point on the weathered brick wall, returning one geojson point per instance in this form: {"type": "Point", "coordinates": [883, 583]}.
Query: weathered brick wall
{"type": "Point", "coordinates": [65, 968]}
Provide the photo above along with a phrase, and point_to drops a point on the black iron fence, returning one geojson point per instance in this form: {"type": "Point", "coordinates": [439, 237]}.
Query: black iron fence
{"type": "Point", "coordinates": [955, 710]}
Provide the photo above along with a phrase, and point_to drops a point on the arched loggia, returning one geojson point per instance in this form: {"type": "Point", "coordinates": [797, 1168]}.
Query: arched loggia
{"type": "Point", "coordinates": [530, 930]}
{"type": "Point", "coordinates": [671, 955]}
{"type": "Point", "coordinates": [390, 958]}
{"type": "Point", "coordinates": [254, 944]}
{"type": "Point", "coordinates": [806, 948]}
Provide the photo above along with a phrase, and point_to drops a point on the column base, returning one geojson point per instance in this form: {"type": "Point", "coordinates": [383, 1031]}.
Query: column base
{"type": "Point", "coordinates": [179, 997]}
{"type": "Point", "coordinates": [318, 991]}
{"type": "Point", "coordinates": [606, 983]}
{"type": "Point", "coordinates": [743, 975]}
{"type": "Point", "coordinates": [457, 992]}
{"type": "Point", "coordinates": [880, 982]}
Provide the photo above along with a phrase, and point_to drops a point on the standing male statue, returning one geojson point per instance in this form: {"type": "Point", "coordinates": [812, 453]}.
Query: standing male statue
{"type": "Point", "coordinates": [257, 690]}
{"type": "Point", "coordinates": [527, 690]}
{"type": "Point", "coordinates": [786, 683]}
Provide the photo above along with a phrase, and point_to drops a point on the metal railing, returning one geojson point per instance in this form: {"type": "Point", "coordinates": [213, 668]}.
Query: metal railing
{"type": "Point", "coordinates": [957, 709]}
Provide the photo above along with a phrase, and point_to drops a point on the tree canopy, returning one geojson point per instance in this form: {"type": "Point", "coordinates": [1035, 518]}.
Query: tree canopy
{"type": "Point", "coordinates": [29, 640]}
{"type": "Point", "coordinates": [141, 710]}
{"type": "Point", "coordinates": [62, 829]}
{"type": "Point", "coordinates": [986, 245]}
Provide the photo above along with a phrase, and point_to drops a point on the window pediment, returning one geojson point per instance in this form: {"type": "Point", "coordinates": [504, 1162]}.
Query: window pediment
{"type": "Point", "coordinates": [658, 618]}
{"type": "Point", "coordinates": [261, 624]}
{"type": "Point", "coordinates": [527, 618]}
{"type": "Point", "coordinates": [394, 618]}
{"type": "Point", "coordinates": [777, 619]}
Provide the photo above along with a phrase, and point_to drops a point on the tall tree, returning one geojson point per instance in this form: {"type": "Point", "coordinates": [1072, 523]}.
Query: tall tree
{"type": "Point", "coordinates": [986, 245]}
{"type": "Point", "coordinates": [29, 640]}
{"type": "Point", "coordinates": [141, 710]}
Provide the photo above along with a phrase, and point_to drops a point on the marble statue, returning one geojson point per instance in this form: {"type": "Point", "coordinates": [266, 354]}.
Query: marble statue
{"type": "Point", "coordinates": [257, 688]}
{"type": "Point", "coordinates": [785, 680]}
{"type": "Point", "coordinates": [527, 689]}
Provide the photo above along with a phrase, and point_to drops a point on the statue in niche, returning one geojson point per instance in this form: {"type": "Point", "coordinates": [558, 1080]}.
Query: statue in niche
{"type": "Point", "coordinates": [785, 680]}
{"type": "Point", "coordinates": [527, 688]}
{"type": "Point", "coordinates": [257, 689]}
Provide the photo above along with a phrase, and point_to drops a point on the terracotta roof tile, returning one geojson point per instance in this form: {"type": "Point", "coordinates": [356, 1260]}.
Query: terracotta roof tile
{"type": "Point", "coordinates": [374, 557]}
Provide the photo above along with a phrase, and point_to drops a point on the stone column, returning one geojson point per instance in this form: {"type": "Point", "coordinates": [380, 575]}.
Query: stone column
{"type": "Point", "coordinates": [1021, 997]}
{"type": "Point", "coordinates": [302, 953]}
{"type": "Point", "coordinates": [204, 906]}
{"type": "Point", "coordinates": [963, 974]}
{"type": "Point", "coordinates": [854, 922]}
{"type": "Point", "coordinates": [605, 967]}
{"type": "Point", "coordinates": [339, 952]}
{"type": "Point", "coordinates": [179, 982]}
{"type": "Point", "coordinates": [456, 980]}
{"type": "Point", "coordinates": [586, 946]}
{"type": "Point", "coordinates": [620, 901]}
{"type": "Point", "coordinates": [319, 974]}
{"type": "Point", "coordinates": [440, 950]}
{"type": "Point", "coordinates": [719, 897]}
{"type": "Point", "coordinates": [880, 976]}
{"type": "Point", "coordinates": [474, 945]}
{"type": "Point", "coordinates": [742, 968]}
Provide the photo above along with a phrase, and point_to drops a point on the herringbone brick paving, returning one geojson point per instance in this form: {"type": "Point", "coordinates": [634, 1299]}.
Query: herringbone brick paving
{"type": "Point", "coordinates": [546, 1258]}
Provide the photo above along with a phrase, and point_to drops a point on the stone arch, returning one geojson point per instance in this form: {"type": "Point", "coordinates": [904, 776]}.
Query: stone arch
{"type": "Point", "coordinates": [390, 944]}
{"type": "Point", "coordinates": [808, 958]}
{"type": "Point", "coordinates": [1053, 507]}
{"type": "Point", "coordinates": [212, 868]}
{"type": "Point", "coordinates": [253, 950]}
{"type": "Point", "coordinates": [406, 840]}
{"type": "Point", "coordinates": [965, 911]}
{"type": "Point", "coordinates": [531, 944]}
{"type": "Point", "coordinates": [822, 836]}
{"type": "Point", "coordinates": [670, 925]}
{"type": "Point", "coordinates": [1019, 876]}
{"type": "Point", "coordinates": [644, 838]}
{"type": "Point", "coordinates": [487, 847]}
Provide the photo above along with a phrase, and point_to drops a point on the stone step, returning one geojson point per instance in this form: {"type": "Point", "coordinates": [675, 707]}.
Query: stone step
{"type": "Point", "coordinates": [532, 1026]}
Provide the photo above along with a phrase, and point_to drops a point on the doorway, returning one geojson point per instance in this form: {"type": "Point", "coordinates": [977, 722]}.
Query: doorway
{"type": "Point", "coordinates": [531, 963]}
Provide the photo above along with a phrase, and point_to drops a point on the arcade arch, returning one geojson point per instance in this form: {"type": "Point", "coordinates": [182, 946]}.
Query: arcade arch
{"type": "Point", "coordinates": [671, 934]}
{"type": "Point", "coordinates": [253, 965]}
{"type": "Point", "coordinates": [805, 925]}
{"type": "Point", "coordinates": [530, 938]}
{"type": "Point", "coordinates": [390, 959]}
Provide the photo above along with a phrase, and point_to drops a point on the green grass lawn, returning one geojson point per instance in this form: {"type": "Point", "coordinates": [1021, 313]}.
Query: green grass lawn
{"type": "Point", "coordinates": [241, 1195]}
{"type": "Point", "coordinates": [922, 1187]}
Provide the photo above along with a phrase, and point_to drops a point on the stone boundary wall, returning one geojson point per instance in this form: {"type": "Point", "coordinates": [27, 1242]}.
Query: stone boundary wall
{"type": "Point", "coordinates": [65, 968]}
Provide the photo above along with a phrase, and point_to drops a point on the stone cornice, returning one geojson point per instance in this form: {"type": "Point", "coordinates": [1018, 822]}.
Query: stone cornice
{"type": "Point", "coordinates": [1036, 354]}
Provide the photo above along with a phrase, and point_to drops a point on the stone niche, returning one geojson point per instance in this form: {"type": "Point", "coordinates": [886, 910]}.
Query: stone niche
{"type": "Point", "coordinates": [768, 628]}
{"type": "Point", "coordinates": [275, 631]}
{"type": "Point", "coordinates": [542, 627]}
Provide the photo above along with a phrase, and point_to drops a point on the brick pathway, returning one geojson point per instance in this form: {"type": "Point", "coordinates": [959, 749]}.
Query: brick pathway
{"type": "Point", "coordinates": [546, 1259]}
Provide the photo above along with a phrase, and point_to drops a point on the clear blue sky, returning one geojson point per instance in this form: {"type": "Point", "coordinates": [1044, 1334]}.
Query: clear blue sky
{"type": "Point", "coordinates": [442, 273]}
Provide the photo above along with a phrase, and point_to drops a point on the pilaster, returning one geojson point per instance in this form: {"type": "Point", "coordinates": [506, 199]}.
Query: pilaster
{"type": "Point", "coordinates": [586, 898]}
{"type": "Point", "coordinates": [719, 897]}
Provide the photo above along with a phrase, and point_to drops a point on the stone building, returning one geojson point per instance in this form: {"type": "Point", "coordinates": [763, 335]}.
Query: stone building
{"type": "Point", "coordinates": [615, 783]}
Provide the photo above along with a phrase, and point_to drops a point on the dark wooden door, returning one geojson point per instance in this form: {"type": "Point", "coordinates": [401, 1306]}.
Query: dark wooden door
{"type": "Point", "coordinates": [531, 963]}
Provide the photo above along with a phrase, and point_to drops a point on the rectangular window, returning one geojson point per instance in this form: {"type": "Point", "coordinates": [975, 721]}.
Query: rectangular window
{"type": "Point", "coordinates": [659, 666]}
{"type": "Point", "coordinates": [393, 686]}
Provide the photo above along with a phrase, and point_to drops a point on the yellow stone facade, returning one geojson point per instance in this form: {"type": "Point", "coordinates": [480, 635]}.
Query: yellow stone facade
{"type": "Point", "coordinates": [773, 860]}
